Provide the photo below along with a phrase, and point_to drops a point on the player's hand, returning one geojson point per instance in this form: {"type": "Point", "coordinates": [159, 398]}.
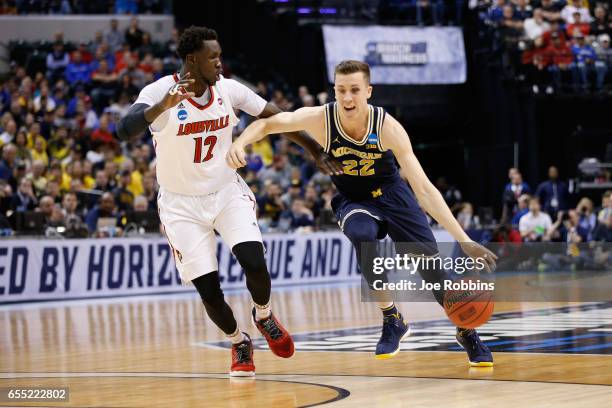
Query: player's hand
{"type": "Point", "coordinates": [175, 93]}
{"type": "Point", "coordinates": [474, 250]}
{"type": "Point", "coordinates": [236, 157]}
{"type": "Point", "coordinates": [327, 165]}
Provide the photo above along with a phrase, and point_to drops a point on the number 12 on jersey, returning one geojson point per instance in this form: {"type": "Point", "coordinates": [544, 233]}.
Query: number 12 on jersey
{"type": "Point", "coordinates": [209, 143]}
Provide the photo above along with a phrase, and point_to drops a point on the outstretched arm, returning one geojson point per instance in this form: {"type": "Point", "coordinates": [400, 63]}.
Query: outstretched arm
{"type": "Point", "coordinates": [325, 163]}
{"type": "Point", "coordinates": [310, 120]}
{"type": "Point", "coordinates": [396, 139]}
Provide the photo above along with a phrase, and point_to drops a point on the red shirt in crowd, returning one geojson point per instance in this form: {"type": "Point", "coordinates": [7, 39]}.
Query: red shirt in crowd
{"type": "Point", "coordinates": [584, 28]}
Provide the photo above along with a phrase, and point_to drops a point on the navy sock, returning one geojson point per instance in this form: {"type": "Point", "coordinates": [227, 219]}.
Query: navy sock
{"type": "Point", "coordinates": [391, 310]}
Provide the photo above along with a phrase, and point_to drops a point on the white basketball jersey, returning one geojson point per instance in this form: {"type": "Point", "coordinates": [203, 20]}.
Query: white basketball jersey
{"type": "Point", "coordinates": [192, 138]}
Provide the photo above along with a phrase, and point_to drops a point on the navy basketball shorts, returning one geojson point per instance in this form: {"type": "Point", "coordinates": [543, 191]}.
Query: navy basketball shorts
{"type": "Point", "coordinates": [397, 213]}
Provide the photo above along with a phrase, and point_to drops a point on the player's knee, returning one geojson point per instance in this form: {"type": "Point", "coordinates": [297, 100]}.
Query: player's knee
{"type": "Point", "coordinates": [209, 288]}
{"type": "Point", "coordinates": [361, 229]}
{"type": "Point", "coordinates": [250, 256]}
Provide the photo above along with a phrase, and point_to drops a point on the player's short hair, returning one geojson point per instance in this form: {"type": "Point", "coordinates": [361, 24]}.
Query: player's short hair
{"type": "Point", "coordinates": [347, 67]}
{"type": "Point", "coordinates": [192, 40]}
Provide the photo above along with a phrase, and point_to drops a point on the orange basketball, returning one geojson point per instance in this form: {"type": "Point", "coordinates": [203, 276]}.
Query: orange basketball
{"type": "Point", "coordinates": [468, 308]}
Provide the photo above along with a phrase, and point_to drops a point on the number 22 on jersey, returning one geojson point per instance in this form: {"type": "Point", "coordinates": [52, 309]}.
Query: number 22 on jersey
{"type": "Point", "coordinates": [208, 144]}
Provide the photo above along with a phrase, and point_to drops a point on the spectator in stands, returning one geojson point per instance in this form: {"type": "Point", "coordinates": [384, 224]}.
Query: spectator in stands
{"type": "Point", "coordinates": [523, 208]}
{"type": "Point", "coordinates": [57, 61]}
{"type": "Point", "coordinates": [104, 84]}
{"type": "Point", "coordinates": [578, 26]}
{"type": "Point", "coordinates": [560, 58]}
{"type": "Point", "coordinates": [451, 194]}
{"type": "Point", "coordinates": [553, 193]}
{"type": "Point", "coordinates": [312, 200]}
{"type": "Point", "coordinates": [535, 225]}
{"type": "Point", "coordinates": [37, 175]}
{"type": "Point", "coordinates": [604, 54]}
{"type": "Point", "coordinates": [24, 199]}
{"type": "Point", "coordinates": [39, 152]}
{"type": "Point", "coordinates": [21, 146]}
{"type": "Point", "coordinates": [511, 32]}
{"type": "Point", "coordinates": [551, 10]}
{"type": "Point", "coordinates": [270, 205]}
{"type": "Point", "coordinates": [572, 7]}
{"type": "Point", "coordinates": [279, 172]}
{"type": "Point", "coordinates": [513, 190]}
{"type": "Point", "coordinates": [536, 25]}
{"type": "Point", "coordinates": [603, 231]}
{"type": "Point", "coordinates": [113, 36]}
{"type": "Point", "coordinates": [584, 65]}
{"type": "Point", "coordinates": [105, 209]}
{"type": "Point", "coordinates": [101, 183]}
{"type": "Point", "coordinates": [600, 24]}
{"type": "Point", "coordinates": [45, 206]}
{"type": "Point", "coordinates": [522, 10]}
{"type": "Point", "coordinates": [53, 190]}
{"type": "Point", "coordinates": [299, 217]}
{"type": "Point", "coordinates": [102, 135]}
{"type": "Point", "coordinates": [10, 131]}
{"type": "Point", "coordinates": [588, 219]}
{"type": "Point", "coordinates": [9, 156]}
{"type": "Point", "coordinates": [294, 192]}
{"type": "Point", "coordinates": [133, 34]}
{"type": "Point", "coordinates": [466, 217]}
{"type": "Point", "coordinates": [141, 204]}
{"type": "Point", "coordinates": [77, 72]}
{"type": "Point", "coordinates": [70, 204]}
{"type": "Point", "coordinates": [573, 232]}
{"type": "Point", "coordinates": [123, 196]}
{"type": "Point", "coordinates": [149, 183]}
{"type": "Point", "coordinates": [147, 45]}
{"type": "Point", "coordinates": [44, 102]}
{"type": "Point", "coordinates": [606, 206]}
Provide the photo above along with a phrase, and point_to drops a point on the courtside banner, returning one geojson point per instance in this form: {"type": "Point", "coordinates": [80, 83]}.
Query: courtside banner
{"type": "Point", "coordinates": [399, 55]}
{"type": "Point", "coordinates": [33, 270]}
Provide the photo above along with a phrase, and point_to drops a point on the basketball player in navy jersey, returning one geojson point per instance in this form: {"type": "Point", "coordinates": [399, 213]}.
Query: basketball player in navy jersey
{"type": "Point", "coordinates": [373, 199]}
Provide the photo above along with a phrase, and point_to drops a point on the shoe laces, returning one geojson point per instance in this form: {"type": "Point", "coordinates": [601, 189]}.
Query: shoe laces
{"type": "Point", "coordinates": [272, 328]}
{"type": "Point", "coordinates": [476, 343]}
{"type": "Point", "coordinates": [243, 353]}
{"type": "Point", "coordinates": [389, 322]}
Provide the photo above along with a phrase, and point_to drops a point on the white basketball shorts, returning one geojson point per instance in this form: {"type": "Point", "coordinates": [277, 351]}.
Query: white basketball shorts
{"type": "Point", "coordinates": [190, 223]}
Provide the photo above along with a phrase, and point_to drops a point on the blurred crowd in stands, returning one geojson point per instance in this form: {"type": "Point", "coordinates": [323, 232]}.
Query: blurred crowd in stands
{"type": "Point", "coordinates": [63, 171]}
{"type": "Point", "coordinates": [84, 6]}
{"type": "Point", "coordinates": [555, 45]}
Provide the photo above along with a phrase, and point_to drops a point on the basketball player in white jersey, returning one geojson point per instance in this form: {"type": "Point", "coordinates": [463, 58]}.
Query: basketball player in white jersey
{"type": "Point", "coordinates": [191, 116]}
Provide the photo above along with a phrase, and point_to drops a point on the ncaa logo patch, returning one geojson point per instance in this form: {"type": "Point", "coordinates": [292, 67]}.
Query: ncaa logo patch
{"type": "Point", "coordinates": [182, 114]}
{"type": "Point", "coordinates": [372, 141]}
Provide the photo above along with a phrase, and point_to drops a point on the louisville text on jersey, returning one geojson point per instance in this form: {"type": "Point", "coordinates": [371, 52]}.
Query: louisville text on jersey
{"type": "Point", "coordinates": [203, 126]}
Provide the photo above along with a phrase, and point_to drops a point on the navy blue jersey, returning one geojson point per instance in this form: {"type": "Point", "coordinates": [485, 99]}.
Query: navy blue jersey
{"type": "Point", "coordinates": [367, 165]}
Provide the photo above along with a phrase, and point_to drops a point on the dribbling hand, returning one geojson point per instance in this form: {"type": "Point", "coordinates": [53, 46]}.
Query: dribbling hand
{"type": "Point", "coordinates": [474, 250]}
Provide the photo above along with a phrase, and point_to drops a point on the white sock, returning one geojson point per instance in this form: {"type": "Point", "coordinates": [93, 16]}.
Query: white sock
{"type": "Point", "coordinates": [262, 312]}
{"type": "Point", "coordinates": [236, 337]}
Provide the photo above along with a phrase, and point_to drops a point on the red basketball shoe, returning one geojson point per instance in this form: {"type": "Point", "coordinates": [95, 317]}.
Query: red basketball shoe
{"type": "Point", "coordinates": [278, 338]}
{"type": "Point", "coordinates": [242, 359]}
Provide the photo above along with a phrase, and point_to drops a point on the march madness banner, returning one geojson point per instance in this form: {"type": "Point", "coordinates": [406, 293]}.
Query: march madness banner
{"type": "Point", "coordinates": [32, 270]}
{"type": "Point", "coordinates": [399, 55]}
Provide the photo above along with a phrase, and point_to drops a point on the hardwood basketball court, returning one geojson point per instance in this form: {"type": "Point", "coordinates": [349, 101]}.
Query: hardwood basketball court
{"type": "Point", "coordinates": [161, 351]}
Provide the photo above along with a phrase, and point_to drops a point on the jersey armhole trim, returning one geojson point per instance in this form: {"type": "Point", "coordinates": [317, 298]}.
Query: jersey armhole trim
{"type": "Point", "coordinates": [327, 130]}
{"type": "Point", "coordinates": [381, 121]}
